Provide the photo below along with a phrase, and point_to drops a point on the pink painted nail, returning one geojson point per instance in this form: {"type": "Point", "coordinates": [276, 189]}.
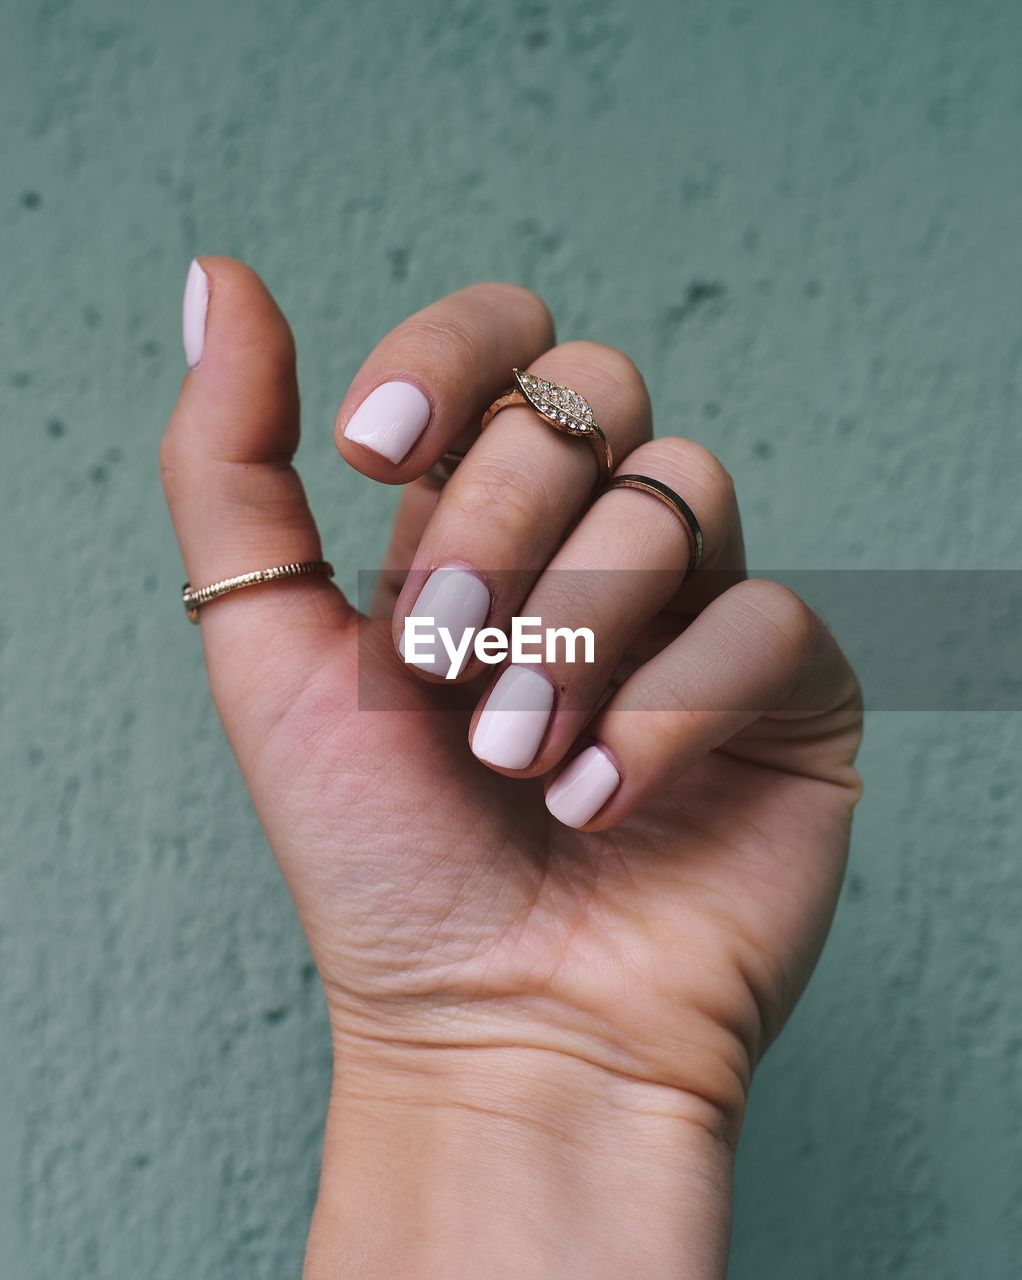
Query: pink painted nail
{"type": "Point", "coordinates": [389, 420]}
{"type": "Point", "coordinates": [196, 304]}
{"type": "Point", "coordinates": [583, 788]}
{"type": "Point", "coordinates": [456, 599]}
{"type": "Point", "coordinates": [514, 720]}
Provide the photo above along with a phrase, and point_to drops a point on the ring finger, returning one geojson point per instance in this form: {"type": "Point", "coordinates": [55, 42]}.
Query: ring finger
{"type": "Point", "coordinates": [620, 567]}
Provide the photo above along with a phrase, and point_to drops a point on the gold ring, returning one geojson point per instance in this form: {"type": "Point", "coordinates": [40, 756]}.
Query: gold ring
{"type": "Point", "coordinates": [561, 408]}
{"type": "Point", "coordinates": [194, 598]}
{"type": "Point", "coordinates": [646, 484]}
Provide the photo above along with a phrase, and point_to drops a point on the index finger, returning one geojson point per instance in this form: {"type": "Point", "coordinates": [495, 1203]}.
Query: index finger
{"type": "Point", "coordinates": [427, 384]}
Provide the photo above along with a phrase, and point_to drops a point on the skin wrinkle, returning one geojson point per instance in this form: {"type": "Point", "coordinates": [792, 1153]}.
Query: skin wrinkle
{"type": "Point", "coordinates": [852, 785]}
{"type": "Point", "coordinates": [713, 1119]}
{"type": "Point", "coordinates": [306, 727]}
{"type": "Point", "coordinates": [281, 712]}
{"type": "Point", "coordinates": [529, 1119]}
{"type": "Point", "coordinates": [492, 489]}
{"type": "Point", "coordinates": [512, 996]}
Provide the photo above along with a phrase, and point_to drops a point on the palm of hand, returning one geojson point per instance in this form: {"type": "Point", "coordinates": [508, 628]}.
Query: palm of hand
{"type": "Point", "coordinates": [437, 894]}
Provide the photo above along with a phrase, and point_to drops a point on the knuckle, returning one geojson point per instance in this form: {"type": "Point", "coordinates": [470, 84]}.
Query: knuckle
{"type": "Point", "coordinates": [509, 294]}
{"type": "Point", "coordinates": [619, 367]}
{"type": "Point", "coordinates": [699, 462]}
{"type": "Point", "coordinates": [446, 342]}
{"type": "Point", "coordinates": [574, 599]}
{"type": "Point", "coordinates": [674, 457]}
{"type": "Point", "coordinates": [468, 328]}
{"type": "Point", "coordinates": [488, 489]}
{"type": "Point", "coordinates": [787, 615]}
{"type": "Point", "coordinates": [665, 688]}
{"type": "Point", "coordinates": [718, 476]}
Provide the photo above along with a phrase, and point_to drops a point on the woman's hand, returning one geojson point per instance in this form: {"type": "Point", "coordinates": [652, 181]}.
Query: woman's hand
{"type": "Point", "coordinates": [544, 1035]}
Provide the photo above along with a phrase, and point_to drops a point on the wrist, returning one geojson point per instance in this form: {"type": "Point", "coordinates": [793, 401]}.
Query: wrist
{"type": "Point", "coordinates": [517, 1162]}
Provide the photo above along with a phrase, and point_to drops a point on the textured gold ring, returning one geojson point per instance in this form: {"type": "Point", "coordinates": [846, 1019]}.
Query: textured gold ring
{"type": "Point", "coordinates": [656, 489]}
{"type": "Point", "coordinates": [194, 598]}
{"type": "Point", "coordinates": [561, 408]}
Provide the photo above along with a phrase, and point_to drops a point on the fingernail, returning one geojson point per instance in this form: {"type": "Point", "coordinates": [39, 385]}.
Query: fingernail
{"type": "Point", "coordinates": [389, 420]}
{"type": "Point", "coordinates": [514, 720]}
{"type": "Point", "coordinates": [195, 306]}
{"type": "Point", "coordinates": [456, 599]}
{"type": "Point", "coordinates": [583, 788]}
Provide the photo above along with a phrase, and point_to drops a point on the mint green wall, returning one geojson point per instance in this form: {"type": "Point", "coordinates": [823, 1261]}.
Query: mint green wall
{"type": "Point", "coordinates": [803, 220]}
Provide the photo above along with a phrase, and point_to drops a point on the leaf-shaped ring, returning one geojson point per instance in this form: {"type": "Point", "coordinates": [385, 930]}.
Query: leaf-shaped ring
{"type": "Point", "coordinates": [563, 409]}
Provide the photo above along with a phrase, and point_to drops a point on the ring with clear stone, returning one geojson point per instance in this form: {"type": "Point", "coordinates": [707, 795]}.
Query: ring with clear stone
{"type": "Point", "coordinates": [561, 408]}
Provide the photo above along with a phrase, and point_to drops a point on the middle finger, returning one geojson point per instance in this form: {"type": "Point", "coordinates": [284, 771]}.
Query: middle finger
{"type": "Point", "coordinates": [515, 497]}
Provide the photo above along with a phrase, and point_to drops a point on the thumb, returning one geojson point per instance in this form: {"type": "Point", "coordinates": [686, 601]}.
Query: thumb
{"type": "Point", "coordinates": [235, 499]}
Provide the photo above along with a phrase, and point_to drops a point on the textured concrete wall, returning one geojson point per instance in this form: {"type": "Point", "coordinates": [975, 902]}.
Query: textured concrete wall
{"type": "Point", "coordinates": [802, 219]}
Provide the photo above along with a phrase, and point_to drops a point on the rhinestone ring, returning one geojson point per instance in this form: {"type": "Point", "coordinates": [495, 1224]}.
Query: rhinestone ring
{"type": "Point", "coordinates": [563, 409]}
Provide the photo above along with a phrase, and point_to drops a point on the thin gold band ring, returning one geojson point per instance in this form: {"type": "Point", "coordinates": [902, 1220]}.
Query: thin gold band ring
{"type": "Point", "coordinates": [193, 598]}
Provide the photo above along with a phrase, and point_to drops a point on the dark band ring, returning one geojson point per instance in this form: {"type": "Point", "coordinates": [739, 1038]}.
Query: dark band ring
{"type": "Point", "coordinates": [646, 484]}
{"type": "Point", "coordinates": [442, 470]}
